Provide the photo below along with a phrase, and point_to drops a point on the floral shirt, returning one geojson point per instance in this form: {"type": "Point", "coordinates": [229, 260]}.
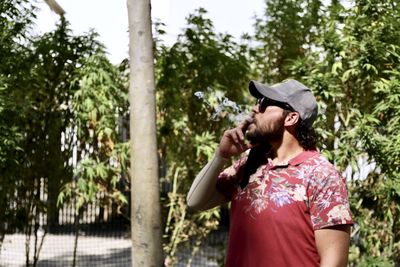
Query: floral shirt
{"type": "Point", "coordinates": [273, 218]}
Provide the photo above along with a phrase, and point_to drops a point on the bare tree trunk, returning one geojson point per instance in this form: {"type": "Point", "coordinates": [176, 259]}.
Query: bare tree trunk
{"type": "Point", "coordinates": [145, 196]}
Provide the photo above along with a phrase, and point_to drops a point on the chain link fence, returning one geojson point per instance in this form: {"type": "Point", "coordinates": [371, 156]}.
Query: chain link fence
{"type": "Point", "coordinates": [103, 239]}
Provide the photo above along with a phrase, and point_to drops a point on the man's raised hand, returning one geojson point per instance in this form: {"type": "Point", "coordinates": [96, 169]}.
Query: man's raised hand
{"type": "Point", "coordinates": [233, 141]}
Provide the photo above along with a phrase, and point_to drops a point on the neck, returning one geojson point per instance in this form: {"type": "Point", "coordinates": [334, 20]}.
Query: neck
{"type": "Point", "coordinates": [285, 150]}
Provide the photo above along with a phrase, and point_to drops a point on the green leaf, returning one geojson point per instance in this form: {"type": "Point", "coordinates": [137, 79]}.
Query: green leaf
{"type": "Point", "coordinates": [336, 66]}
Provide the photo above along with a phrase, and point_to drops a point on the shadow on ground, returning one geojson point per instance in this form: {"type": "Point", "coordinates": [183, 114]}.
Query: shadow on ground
{"type": "Point", "coordinates": [113, 258]}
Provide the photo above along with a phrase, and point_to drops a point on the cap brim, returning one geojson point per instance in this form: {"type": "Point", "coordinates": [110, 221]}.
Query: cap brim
{"type": "Point", "coordinates": [259, 90]}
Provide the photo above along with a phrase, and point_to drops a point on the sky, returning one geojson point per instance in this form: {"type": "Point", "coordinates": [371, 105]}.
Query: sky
{"type": "Point", "coordinates": [110, 18]}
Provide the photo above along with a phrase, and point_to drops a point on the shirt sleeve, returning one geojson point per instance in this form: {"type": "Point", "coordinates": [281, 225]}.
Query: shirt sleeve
{"type": "Point", "coordinates": [329, 203]}
{"type": "Point", "coordinates": [227, 181]}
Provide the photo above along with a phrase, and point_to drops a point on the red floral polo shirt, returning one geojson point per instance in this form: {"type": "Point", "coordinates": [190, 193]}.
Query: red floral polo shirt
{"type": "Point", "coordinates": [274, 216]}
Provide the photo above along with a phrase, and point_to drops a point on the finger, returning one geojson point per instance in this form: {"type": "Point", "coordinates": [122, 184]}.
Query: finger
{"type": "Point", "coordinates": [243, 147]}
{"type": "Point", "coordinates": [240, 134]}
{"type": "Point", "coordinates": [250, 145]}
{"type": "Point", "coordinates": [240, 140]}
{"type": "Point", "coordinates": [239, 147]}
{"type": "Point", "coordinates": [236, 137]}
{"type": "Point", "coordinates": [230, 136]}
{"type": "Point", "coordinates": [245, 123]}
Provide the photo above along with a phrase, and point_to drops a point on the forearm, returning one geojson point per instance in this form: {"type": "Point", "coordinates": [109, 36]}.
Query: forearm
{"type": "Point", "coordinates": [203, 193]}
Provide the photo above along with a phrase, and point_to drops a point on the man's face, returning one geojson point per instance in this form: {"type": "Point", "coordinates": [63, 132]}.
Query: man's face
{"type": "Point", "coordinates": [267, 126]}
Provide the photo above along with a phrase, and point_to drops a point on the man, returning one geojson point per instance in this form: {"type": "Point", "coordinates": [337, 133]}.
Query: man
{"type": "Point", "coordinates": [289, 205]}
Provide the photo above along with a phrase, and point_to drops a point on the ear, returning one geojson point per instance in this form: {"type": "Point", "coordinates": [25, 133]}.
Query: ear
{"type": "Point", "coordinates": [291, 119]}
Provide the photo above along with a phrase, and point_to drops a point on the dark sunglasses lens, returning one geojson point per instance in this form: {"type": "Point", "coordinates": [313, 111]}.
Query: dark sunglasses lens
{"type": "Point", "coordinates": [262, 104]}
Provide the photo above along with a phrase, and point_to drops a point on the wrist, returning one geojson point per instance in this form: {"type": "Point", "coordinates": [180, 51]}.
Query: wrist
{"type": "Point", "coordinates": [220, 155]}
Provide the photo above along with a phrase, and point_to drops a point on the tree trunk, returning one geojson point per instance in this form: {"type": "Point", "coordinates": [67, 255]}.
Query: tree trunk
{"type": "Point", "coordinates": [145, 196]}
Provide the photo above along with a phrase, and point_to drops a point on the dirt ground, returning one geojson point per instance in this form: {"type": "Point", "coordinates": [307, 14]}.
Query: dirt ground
{"type": "Point", "coordinates": [96, 251]}
{"type": "Point", "coordinates": [57, 251]}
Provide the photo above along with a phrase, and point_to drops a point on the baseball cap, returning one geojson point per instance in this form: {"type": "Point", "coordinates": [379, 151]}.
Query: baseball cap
{"type": "Point", "coordinates": [291, 92]}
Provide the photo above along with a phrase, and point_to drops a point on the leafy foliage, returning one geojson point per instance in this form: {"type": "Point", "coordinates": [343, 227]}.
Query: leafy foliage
{"type": "Point", "coordinates": [349, 56]}
{"type": "Point", "coordinates": [62, 102]}
{"type": "Point", "coordinates": [38, 133]}
{"type": "Point", "coordinates": [353, 70]}
{"type": "Point", "coordinates": [200, 59]}
{"type": "Point", "coordinates": [98, 106]}
{"type": "Point", "coordinates": [14, 22]}
{"type": "Point", "coordinates": [284, 33]}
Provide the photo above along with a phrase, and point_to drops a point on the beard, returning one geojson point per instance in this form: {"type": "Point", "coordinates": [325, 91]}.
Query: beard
{"type": "Point", "coordinates": [266, 135]}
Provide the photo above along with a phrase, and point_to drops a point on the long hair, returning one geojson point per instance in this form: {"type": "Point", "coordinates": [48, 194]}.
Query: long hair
{"type": "Point", "coordinates": [257, 157]}
{"type": "Point", "coordinates": [306, 136]}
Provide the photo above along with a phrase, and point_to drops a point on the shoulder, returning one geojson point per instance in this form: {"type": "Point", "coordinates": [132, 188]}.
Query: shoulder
{"type": "Point", "coordinates": [320, 165]}
{"type": "Point", "coordinates": [319, 171]}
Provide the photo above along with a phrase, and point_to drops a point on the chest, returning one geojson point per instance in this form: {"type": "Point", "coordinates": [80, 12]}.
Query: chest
{"type": "Point", "coordinates": [275, 189]}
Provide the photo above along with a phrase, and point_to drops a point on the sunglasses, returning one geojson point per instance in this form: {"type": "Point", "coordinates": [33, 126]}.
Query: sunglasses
{"type": "Point", "coordinates": [265, 102]}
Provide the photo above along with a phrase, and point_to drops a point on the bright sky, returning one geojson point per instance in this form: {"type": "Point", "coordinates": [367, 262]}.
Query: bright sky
{"type": "Point", "coordinates": [110, 18]}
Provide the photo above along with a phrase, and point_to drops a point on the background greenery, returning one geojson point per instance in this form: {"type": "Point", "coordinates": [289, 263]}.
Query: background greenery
{"type": "Point", "coordinates": [60, 97]}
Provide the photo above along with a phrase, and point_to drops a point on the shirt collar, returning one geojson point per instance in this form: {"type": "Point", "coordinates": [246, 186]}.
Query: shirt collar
{"type": "Point", "coordinates": [297, 160]}
{"type": "Point", "coordinates": [303, 156]}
